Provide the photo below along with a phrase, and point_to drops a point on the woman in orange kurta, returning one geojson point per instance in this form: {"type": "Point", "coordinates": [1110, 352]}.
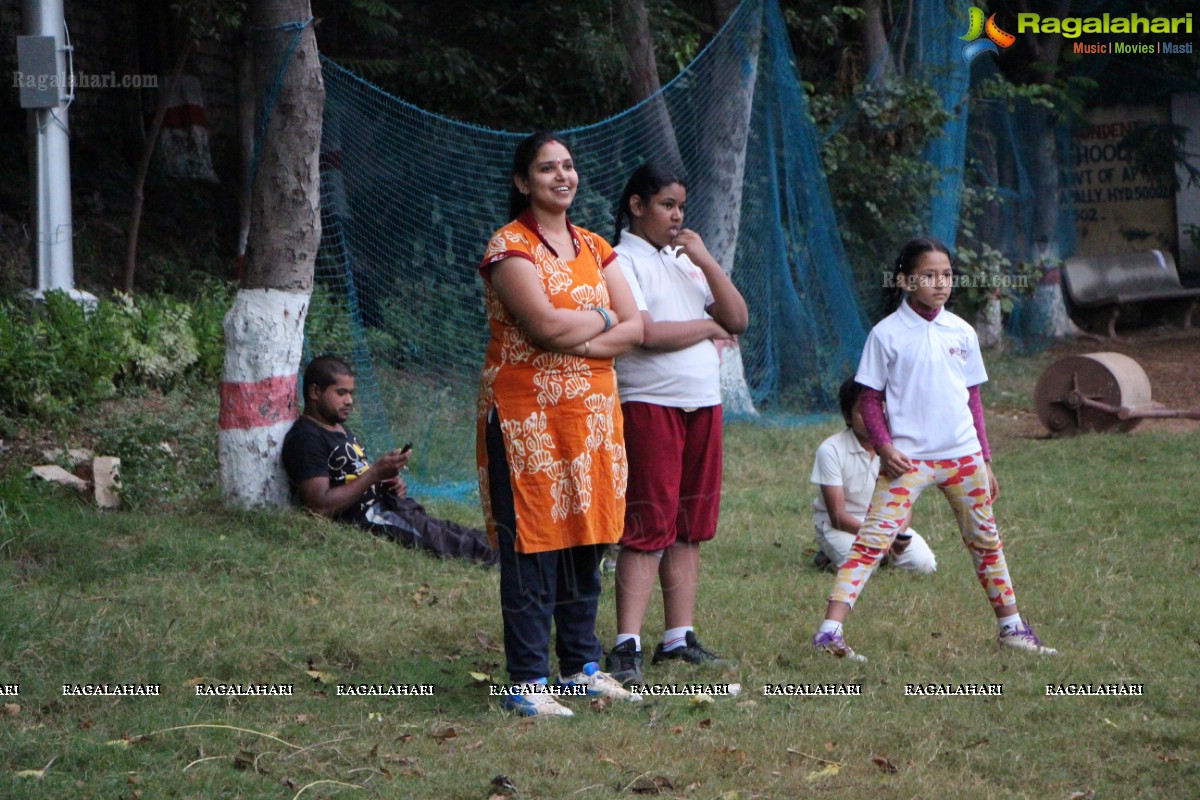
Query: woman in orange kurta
{"type": "Point", "coordinates": [550, 448]}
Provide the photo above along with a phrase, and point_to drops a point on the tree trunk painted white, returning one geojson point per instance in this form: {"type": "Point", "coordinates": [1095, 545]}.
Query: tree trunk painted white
{"type": "Point", "coordinates": [264, 331]}
{"type": "Point", "coordinates": [718, 178]}
{"type": "Point", "coordinates": [1050, 316]}
{"type": "Point", "coordinates": [989, 324]}
{"type": "Point", "coordinates": [264, 339]}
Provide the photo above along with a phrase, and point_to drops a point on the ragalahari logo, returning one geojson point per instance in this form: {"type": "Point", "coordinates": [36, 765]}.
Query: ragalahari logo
{"type": "Point", "coordinates": [996, 38]}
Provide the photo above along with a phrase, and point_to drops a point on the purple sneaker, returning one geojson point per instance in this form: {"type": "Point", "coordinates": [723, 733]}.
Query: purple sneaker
{"type": "Point", "coordinates": [834, 644]}
{"type": "Point", "coordinates": [1023, 638]}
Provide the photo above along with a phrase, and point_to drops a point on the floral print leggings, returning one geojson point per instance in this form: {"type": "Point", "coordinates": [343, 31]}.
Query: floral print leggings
{"type": "Point", "coordinates": [964, 482]}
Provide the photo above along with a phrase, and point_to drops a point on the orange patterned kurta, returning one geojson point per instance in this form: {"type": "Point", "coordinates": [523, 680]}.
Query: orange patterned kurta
{"type": "Point", "coordinates": [559, 413]}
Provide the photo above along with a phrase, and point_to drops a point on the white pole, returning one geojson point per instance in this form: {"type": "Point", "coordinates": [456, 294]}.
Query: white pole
{"type": "Point", "coordinates": [52, 154]}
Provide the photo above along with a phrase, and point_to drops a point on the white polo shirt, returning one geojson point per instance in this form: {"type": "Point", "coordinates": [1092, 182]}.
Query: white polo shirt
{"type": "Point", "coordinates": [669, 287]}
{"type": "Point", "coordinates": [924, 370]}
{"type": "Point", "coordinates": [842, 461]}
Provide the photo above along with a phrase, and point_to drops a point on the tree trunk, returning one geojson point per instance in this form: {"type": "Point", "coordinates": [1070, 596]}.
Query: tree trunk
{"type": "Point", "coordinates": [264, 331]}
{"type": "Point", "coordinates": [642, 67]}
{"type": "Point", "coordinates": [139, 178]}
{"type": "Point", "coordinates": [875, 45]}
{"type": "Point", "coordinates": [1050, 316]}
{"type": "Point", "coordinates": [717, 185]}
{"type": "Point", "coordinates": [1049, 313]}
{"type": "Point", "coordinates": [245, 132]}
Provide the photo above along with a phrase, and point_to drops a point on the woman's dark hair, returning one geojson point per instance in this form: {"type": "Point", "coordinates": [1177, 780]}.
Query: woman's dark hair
{"type": "Point", "coordinates": [847, 395]}
{"type": "Point", "coordinates": [906, 262]}
{"type": "Point", "coordinates": [523, 158]}
{"type": "Point", "coordinates": [646, 181]}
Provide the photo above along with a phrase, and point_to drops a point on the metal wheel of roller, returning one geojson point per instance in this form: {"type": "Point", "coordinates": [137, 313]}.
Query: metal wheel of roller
{"type": "Point", "coordinates": [1110, 378]}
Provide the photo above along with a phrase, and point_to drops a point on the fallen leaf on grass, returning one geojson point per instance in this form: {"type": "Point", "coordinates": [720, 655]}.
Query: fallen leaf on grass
{"type": "Point", "coordinates": [36, 774]}
{"type": "Point", "coordinates": [404, 761]}
{"type": "Point", "coordinates": [598, 703]}
{"type": "Point", "coordinates": [738, 754]}
{"type": "Point", "coordinates": [829, 771]}
{"type": "Point", "coordinates": [10, 710]}
{"type": "Point", "coordinates": [884, 764]}
{"type": "Point", "coordinates": [480, 678]}
{"type": "Point", "coordinates": [244, 759]}
{"type": "Point", "coordinates": [127, 741]}
{"type": "Point", "coordinates": [651, 784]}
{"type": "Point", "coordinates": [191, 682]}
{"type": "Point", "coordinates": [418, 597]}
{"type": "Point", "coordinates": [487, 643]}
{"type": "Point", "coordinates": [677, 729]}
{"type": "Point", "coordinates": [320, 676]}
{"type": "Point", "coordinates": [303, 719]}
{"type": "Point", "coordinates": [701, 699]}
{"type": "Point", "coordinates": [1088, 795]}
{"type": "Point", "coordinates": [442, 734]}
{"type": "Point", "coordinates": [504, 784]}
{"type": "Point", "coordinates": [706, 723]}
{"type": "Point", "coordinates": [469, 747]}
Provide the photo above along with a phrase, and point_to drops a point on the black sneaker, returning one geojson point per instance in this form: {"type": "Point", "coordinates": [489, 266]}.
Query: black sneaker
{"type": "Point", "coordinates": [624, 663]}
{"type": "Point", "coordinates": [692, 652]}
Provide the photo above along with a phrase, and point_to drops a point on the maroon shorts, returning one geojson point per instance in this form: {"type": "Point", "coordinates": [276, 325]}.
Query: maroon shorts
{"type": "Point", "coordinates": [674, 489]}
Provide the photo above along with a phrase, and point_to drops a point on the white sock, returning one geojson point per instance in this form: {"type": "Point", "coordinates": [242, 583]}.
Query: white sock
{"type": "Point", "coordinates": [675, 638]}
{"type": "Point", "coordinates": [1013, 621]}
{"type": "Point", "coordinates": [830, 626]}
{"type": "Point", "coordinates": [622, 638]}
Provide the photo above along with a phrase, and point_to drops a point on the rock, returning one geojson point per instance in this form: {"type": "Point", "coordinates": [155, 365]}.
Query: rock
{"type": "Point", "coordinates": [106, 478]}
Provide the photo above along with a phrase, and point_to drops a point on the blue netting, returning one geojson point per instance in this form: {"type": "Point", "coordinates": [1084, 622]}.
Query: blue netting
{"type": "Point", "coordinates": [409, 199]}
{"type": "Point", "coordinates": [937, 60]}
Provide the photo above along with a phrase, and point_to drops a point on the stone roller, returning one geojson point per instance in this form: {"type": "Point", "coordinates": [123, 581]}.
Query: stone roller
{"type": "Point", "coordinates": [1097, 392]}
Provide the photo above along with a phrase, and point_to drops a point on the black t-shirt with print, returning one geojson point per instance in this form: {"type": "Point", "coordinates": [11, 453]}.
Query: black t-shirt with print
{"type": "Point", "coordinates": [311, 451]}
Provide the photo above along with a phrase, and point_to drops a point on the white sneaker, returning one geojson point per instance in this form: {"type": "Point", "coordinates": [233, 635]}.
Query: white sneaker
{"type": "Point", "coordinates": [600, 684]}
{"type": "Point", "coordinates": [1023, 638]}
{"type": "Point", "coordinates": [535, 701]}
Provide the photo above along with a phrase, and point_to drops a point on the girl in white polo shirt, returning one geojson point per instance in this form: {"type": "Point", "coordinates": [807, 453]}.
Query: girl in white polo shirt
{"type": "Point", "coordinates": [670, 391]}
{"type": "Point", "coordinates": [925, 363]}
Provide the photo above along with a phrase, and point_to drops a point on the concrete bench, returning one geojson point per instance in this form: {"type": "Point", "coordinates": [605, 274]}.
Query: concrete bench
{"type": "Point", "coordinates": [1100, 288]}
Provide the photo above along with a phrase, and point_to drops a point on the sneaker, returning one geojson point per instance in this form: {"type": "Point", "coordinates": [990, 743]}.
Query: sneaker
{"type": "Point", "coordinates": [624, 663]}
{"type": "Point", "coordinates": [1023, 638]}
{"type": "Point", "coordinates": [599, 684]}
{"type": "Point", "coordinates": [535, 702]}
{"type": "Point", "coordinates": [692, 652]}
{"type": "Point", "coordinates": [608, 564]}
{"type": "Point", "coordinates": [834, 644]}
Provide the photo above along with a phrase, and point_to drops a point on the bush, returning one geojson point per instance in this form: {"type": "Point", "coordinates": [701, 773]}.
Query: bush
{"type": "Point", "coordinates": [59, 355]}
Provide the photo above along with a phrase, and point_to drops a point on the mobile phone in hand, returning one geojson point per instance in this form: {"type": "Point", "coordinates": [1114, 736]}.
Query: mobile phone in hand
{"type": "Point", "coordinates": [406, 448]}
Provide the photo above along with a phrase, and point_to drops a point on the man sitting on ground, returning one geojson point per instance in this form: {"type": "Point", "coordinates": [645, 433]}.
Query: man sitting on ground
{"type": "Point", "coordinates": [331, 476]}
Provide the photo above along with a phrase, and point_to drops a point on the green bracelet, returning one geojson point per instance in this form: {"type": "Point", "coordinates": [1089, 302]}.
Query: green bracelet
{"type": "Point", "coordinates": [607, 318]}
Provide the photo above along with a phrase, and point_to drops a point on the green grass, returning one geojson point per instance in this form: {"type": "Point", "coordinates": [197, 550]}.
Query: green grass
{"type": "Point", "coordinates": [1099, 530]}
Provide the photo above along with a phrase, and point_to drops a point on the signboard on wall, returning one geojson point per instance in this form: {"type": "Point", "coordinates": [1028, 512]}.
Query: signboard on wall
{"type": "Point", "coordinates": [1116, 208]}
